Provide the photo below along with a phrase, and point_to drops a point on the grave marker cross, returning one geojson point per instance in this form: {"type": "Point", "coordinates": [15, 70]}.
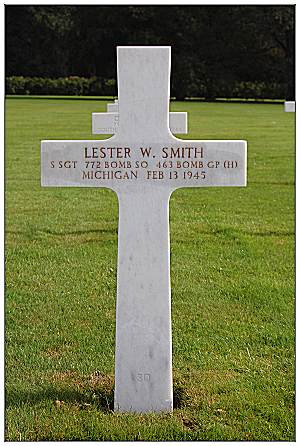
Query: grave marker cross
{"type": "Point", "coordinates": [143, 163]}
{"type": "Point", "coordinates": [105, 123]}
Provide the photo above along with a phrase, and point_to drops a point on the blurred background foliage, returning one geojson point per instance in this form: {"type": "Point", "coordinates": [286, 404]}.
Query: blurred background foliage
{"type": "Point", "coordinates": [217, 51]}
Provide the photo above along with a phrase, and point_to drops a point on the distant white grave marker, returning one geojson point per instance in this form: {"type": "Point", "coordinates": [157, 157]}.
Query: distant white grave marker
{"type": "Point", "coordinates": [290, 106]}
{"type": "Point", "coordinates": [116, 102]}
{"type": "Point", "coordinates": [113, 107]}
{"type": "Point", "coordinates": [107, 123]}
{"type": "Point", "coordinates": [143, 163]}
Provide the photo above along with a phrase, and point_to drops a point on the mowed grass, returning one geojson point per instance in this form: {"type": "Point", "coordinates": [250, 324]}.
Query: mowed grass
{"type": "Point", "coordinates": [232, 273]}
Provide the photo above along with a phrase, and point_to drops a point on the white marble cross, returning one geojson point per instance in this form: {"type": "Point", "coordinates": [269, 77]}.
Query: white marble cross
{"type": "Point", "coordinates": [116, 102]}
{"type": "Point", "coordinates": [143, 163]}
{"type": "Point", "coordinates": [290, 106]}
{"type": "Point", "coordinates": [113, 107]}
{"type": "Point", "coordinates": [107, 123]}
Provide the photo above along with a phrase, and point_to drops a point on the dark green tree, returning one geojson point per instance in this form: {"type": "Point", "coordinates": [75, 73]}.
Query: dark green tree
{"type": "Point", "coordinates": [213, 47]}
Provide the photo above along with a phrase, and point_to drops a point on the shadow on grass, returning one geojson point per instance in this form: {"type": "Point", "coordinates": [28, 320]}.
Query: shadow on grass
{"type": "Point", "coordinates": [97, 234]}
{"type": "Point", "coordinates": [228, 231]}
{"type": "Point", "coordinates": [233, 233]}
{"type": "Point", "coordinates": [80, 232]}
{"type": "Point", "coordinates": [62, 234]}
{"type": "Point", "coordinates": [102, 399]}
{"type": "Point", "coordinates": [179, 396]}
{"type": "Point", "coordinates": [274, 183]}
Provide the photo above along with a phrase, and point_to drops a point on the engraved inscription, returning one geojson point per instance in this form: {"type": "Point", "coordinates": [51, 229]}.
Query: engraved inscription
{"type": "Point", "coordinates": [183, 165]}
{"type": "Point", "coordinates": [143, 377]}
{"type": "Point", "coordinates": [155, 163]}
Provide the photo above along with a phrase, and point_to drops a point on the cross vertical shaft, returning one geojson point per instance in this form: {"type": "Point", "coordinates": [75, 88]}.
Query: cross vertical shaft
{"type": "Point", "coordinates": [143, 372]}
{"type": "Point", "coordinates": [143, 379]}
{"type": "Point", "coordinates": [143, 91]}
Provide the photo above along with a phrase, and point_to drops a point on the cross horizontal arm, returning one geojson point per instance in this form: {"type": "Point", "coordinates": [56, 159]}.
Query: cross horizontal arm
{"type": "Point", "coordinates": [107, 123]}
{"type": "Point", "coordinates": [122, 165]}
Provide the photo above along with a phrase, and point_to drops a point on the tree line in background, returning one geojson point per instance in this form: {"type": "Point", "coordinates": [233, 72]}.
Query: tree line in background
{"type": "Point", "coordinates": [217, 51]}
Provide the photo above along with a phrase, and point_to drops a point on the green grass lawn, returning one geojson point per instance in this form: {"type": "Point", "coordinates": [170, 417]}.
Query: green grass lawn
{"type": "Point", "coordinates": [232, 274]}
